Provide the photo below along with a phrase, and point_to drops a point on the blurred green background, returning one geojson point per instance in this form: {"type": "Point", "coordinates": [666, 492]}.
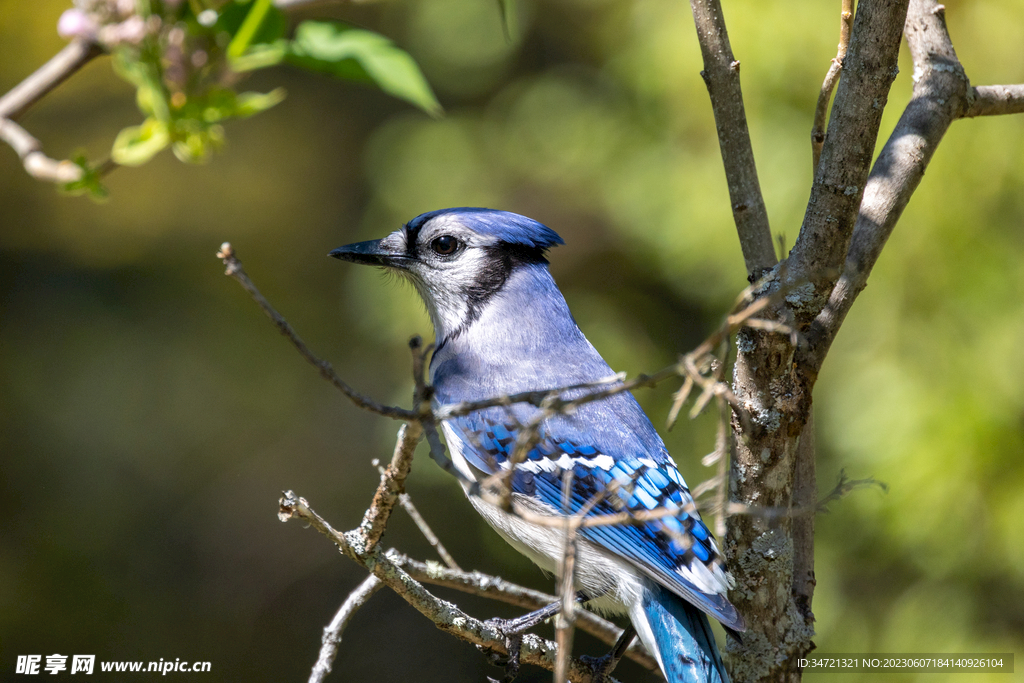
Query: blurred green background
{"type": "Point", "coordinates": [150, 415]}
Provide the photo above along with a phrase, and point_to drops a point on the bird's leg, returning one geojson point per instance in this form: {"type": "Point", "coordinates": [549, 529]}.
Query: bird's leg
{"type": "Point", "coordinates": [603, 666]}
{"type": "Point", "coordinates": [513, 630]}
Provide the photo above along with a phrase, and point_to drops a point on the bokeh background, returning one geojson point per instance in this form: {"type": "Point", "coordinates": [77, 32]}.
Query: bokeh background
{"type": "Point", "coordinates": [150, 415]}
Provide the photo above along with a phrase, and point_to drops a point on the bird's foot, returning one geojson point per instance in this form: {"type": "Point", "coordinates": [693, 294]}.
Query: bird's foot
{"type": "Point", "coordinates": [602, 667]}
{"type": "Point", "coordinates": [512, 631]}
{"type": "Point", "coordinates": [510, 661]}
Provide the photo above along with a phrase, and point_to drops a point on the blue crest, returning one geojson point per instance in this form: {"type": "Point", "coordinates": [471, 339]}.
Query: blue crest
{"type": "Point", "coordinates": [503, 226]}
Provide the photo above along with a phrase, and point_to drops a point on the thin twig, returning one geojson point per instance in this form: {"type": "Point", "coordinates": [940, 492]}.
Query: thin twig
{"type": "Point", "coordinates": [18, 99]}
{"type": "Point", "coordinates": [496, 588]}
{"type": "Point", "coordinates": [392, 484]}
{"type": "Point", "coordinates": [565, 620]}
{"type": "Point", "coordinates": [235, 270]}
{"type": "Point", "coordinates": [427, 532]}
{"type": "Point", "coordinates": [626, 516]}
{"type": "Point", "coordinates": [446, 616]}
{"type": "Point", "coordinates": [332, 632]}
{"type": "Point", "coordinates": [722, 76]}
{"type": "Point", "coordinates": [868, 71]}
{"type": "Point", "coordinates": [842, 488]}
{"type": "Point", "coordinates": [405, 500]}
{"type": "Point", "coordinates": [65, 63]}
{"type": "Point", "coordinates": [37, 164]}
{"type": "Point", "coordinates": [831, 77]}
{"type": "Point", "coordinates": [534, 398]}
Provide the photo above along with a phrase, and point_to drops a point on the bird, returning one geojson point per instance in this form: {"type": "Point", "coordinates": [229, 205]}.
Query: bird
{"type": "Point", "coordinates": [503, 327]}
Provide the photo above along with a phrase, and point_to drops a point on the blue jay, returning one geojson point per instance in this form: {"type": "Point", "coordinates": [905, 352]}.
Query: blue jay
{"type": "Point", "coordinates": [502, 327]}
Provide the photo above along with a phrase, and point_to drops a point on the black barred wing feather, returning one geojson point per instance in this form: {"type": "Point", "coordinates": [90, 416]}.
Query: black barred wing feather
{"type": "Point", "coordinates": [677, 550]}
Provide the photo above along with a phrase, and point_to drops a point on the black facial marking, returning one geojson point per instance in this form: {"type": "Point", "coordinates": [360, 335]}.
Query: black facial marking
{"type": "Point", "coordinates": [501, 260]}
{"type": "Point", "coordinates": [412, 233]}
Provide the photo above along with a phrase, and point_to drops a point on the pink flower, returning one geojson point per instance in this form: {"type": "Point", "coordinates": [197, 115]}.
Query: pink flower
{"type": "Point", "coordinates": [75, 23]}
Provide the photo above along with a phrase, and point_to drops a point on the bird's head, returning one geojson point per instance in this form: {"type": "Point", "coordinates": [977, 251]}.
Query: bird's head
{"type": "Point", "coordinates": [457, 259]}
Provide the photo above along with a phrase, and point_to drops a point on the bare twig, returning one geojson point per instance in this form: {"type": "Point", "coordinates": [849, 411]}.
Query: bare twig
{"type": "Point", "coordinates": [37, 164]}
{"type": "Point", "coordinates": [73, 57]}
{"type": "Point", "coordinates": [941, 95]}
{"type": "Point", "coordinates": [446, 616]}
{"type": "Point", "coordinates": [427, 532]}
{"type": "Point", "coordinates": [687, 367]}
{"type": "Point", "coordinates": [845, 486]}
{"type": "Point", "coordinates": [831, 77]}
{"type": "Point", "coordinates": [842, 488]}
{"type": "Point", "coordinates": [992, 100]}
{"type": "Point", "coordinates": [496, 588]}
{"type": "Point", "coordinates": [392, 484]}
{"type": "Point", "coordinates": [535, 398]}
{"type": "Point", "coordinates": [565, 620]}
{"type": "Point", "coordinates": [868, 72]}
{"type": "Point", "coordinates": [609, 519]}
{"type": "Point", "coordinates": [722, 76]}
{"type": "Point", "coordinates": [235, 270]}
{"type": "Point", "coordinates": [16, 102]}
{"type": "Point", "coordinates": [405, 500]}
{"type": "Point", "coordinates": [332, 632]}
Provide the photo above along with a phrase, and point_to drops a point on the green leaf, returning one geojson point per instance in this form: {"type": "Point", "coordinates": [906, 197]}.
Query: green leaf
{"type": "Point", "coordinates": [233, 15]}
{"type": "Point", "coordinates": [260, 56]}
{"type": "Point", "coordinates": [251, 103]}
{"type": "Point", "coordinates": [89, 183]}
{"type": "Point", "coordinates": [136, 145]}
{"type": "Point", "coordinates": [263, 23]}
{"type": "Point", "coordinates": [359, 55]}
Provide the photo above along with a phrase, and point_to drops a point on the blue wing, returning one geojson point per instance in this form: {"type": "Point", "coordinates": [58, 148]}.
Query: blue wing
{"type": "Point", "coordinates": [678, 551]}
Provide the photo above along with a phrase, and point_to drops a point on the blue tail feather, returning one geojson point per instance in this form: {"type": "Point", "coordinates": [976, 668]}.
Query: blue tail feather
{"type": "Point", "coordinates": [680, 638]}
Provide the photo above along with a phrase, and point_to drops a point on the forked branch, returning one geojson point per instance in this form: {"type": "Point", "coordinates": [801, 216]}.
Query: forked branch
{"type": "Point", "coordinates": [942, 94]}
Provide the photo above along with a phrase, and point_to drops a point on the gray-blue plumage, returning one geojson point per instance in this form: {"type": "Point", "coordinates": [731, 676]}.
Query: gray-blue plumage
{"type": "Point", "coordinates": [503, 327]}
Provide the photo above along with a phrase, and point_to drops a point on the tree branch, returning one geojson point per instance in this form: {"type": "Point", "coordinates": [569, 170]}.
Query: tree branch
{"type": "Point", "coordinates": [446, 616]}
{"type": "Point", "coordinates": [805, 492]}
{"type": "Point", "coordinates": [332, 632]}
{"type": "Point", "coordinates": [496, 588]}
{"type": "Point", "coordinates": [234, 269]}
{"type": "Point", "coordinates": [70, 59]}
{"type": "Point", "coordinates": [392, 484]}
{"type": "Point", "coordinates": [16, 102]}
{"type": "Point", "coordinates": [868, 72]}
{"type": "Point", "coordinates": [941, 95]}
{"type": "Point", "coordinates": [37, 164]}
{"type": "Point", "coordinates": [721, 74]}
{"type": "Point", "coordinates": [991, 100]}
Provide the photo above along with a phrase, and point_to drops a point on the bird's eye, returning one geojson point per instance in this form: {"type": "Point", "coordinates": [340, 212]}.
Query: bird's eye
{"type": "Point", "coordinates": [445, 245]}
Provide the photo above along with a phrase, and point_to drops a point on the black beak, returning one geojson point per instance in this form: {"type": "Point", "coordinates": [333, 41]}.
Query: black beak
{"type": "Point", "coordinates": [371, 253]}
